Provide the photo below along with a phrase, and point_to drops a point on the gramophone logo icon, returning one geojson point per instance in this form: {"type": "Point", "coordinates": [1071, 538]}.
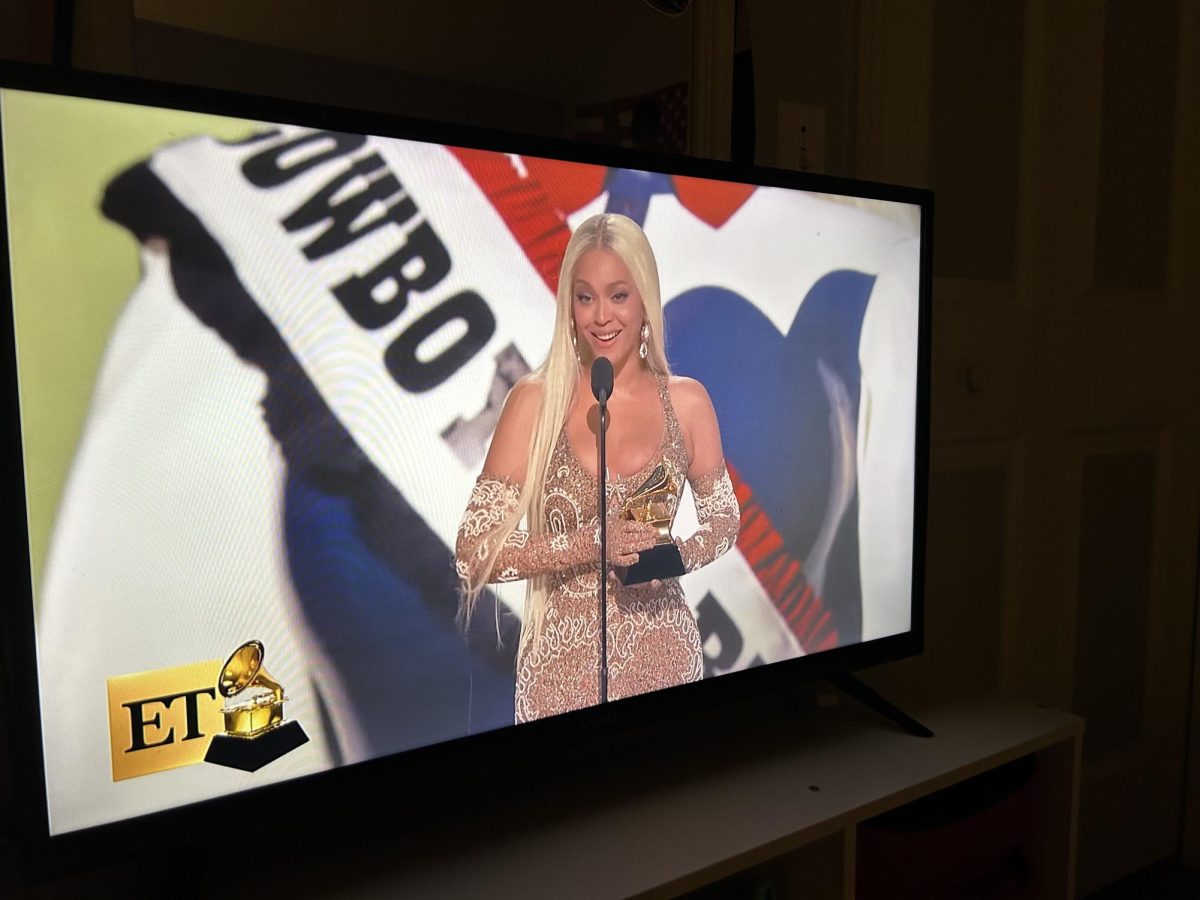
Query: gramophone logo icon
{"type": "Point", "coordinates": [255, 730]}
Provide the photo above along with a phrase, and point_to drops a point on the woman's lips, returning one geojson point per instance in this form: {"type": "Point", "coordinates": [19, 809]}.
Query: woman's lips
{"type": "Point", "coordinates": [606, 337]}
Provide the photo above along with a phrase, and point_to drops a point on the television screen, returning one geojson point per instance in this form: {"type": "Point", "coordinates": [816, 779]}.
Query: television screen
{"type": "Point", "coordinates": [259, 368]}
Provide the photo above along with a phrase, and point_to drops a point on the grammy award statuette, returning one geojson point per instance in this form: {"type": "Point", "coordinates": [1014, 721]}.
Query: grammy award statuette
{"type": "Point", "coordinates": [255, 730]}
{"type": "Point", "coordinates": [654, 502]}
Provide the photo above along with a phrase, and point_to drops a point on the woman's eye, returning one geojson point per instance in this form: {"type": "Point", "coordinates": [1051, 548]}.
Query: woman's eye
{"type": "Point", "coordinates": [583, 298]}
{"type": "Point", "coordinates": [620, 295]}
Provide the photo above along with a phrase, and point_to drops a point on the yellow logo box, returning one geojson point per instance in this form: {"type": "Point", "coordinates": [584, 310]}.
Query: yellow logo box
{"type": "Point", "coordinates": [163, 719]}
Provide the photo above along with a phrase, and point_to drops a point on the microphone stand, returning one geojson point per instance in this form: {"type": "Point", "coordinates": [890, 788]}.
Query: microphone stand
{"type": "Point", "coordinates": [602, 480]}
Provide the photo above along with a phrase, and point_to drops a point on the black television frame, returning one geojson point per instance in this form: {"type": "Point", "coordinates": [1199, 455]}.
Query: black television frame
{"type": "Point", "coordinates": [324, 794]}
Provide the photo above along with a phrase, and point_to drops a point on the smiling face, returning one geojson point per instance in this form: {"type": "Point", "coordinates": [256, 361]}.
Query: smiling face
{"type": "Point", "coordinates": [607, 308]}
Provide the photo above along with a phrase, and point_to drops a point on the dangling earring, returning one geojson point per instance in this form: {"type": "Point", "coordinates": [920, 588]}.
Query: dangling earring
{"type": "Point", "coordinates": [575, 344]}
{"type": "Point", "coordinates": [645, 337]}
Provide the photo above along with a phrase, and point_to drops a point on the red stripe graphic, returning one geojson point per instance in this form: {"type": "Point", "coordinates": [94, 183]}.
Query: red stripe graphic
{"type": "Point", "coordinates": [781, 574]}
{"type": "Point", "coordinates": [524, 204]}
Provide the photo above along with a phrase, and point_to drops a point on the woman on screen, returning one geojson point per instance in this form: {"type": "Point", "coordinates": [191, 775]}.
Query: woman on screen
{"type": "Point", "coordinates": [541, 470]}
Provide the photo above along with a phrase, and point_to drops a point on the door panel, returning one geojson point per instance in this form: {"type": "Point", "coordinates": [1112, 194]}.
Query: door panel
{"type": "Point", "coordinates": [1066, 367]}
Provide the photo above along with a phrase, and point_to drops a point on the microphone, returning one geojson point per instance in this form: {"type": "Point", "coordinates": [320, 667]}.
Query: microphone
{"type": "Point", "coordinates": [602, 379]}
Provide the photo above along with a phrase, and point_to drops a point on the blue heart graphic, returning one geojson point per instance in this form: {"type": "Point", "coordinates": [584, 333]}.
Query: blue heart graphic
{"type": "Point", "coordinates": [774, 409]}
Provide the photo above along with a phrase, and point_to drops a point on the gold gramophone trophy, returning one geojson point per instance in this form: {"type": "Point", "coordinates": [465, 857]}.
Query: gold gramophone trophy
{"type": "Point", "coordinates": [255, 731]}
{"type": "Point", "coordinates": [654, 502]}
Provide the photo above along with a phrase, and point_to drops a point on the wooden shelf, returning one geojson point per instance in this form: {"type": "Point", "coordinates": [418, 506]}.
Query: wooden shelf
{"type": "Point", "coordinates": [805, 795]}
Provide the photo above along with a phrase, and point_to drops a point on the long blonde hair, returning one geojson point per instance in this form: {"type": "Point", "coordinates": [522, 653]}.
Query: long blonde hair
{"type": "Point", "coordinates": [558, 377]}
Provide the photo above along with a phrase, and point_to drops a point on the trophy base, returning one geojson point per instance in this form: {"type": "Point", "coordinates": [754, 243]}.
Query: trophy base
{"type": "Point", "coordinates": [661, 561]}
{"type": "Point", "coordinates": [251, 754]}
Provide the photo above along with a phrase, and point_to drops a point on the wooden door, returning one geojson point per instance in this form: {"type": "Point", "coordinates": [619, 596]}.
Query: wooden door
{"type": "Point", "coordinates": [1061, 139]}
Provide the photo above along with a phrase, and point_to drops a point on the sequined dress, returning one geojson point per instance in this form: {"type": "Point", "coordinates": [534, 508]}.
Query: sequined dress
{"type": "Point", "coordinates": [653, 641]}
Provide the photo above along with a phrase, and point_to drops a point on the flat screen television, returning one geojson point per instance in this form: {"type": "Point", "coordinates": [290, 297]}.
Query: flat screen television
{"type": "Point", "coordinates": [254, 353]}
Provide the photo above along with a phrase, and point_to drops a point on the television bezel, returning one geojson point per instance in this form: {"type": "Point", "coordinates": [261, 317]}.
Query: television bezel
{"type": "Point", "coordinates": [326, 791]}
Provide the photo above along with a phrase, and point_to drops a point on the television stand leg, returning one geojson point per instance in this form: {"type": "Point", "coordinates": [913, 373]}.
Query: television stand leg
{"type": "Point", "coordinates": [848, 684]}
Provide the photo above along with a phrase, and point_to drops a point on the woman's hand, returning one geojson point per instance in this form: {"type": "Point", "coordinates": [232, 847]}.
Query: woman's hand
{"type": "Point", "coordinates": [626, 539]}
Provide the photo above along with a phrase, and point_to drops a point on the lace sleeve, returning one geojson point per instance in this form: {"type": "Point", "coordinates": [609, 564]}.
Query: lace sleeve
{"type": "Point", "coordinates": [719, 515]}
{"type": "Point", "coordinates": [523, 554]}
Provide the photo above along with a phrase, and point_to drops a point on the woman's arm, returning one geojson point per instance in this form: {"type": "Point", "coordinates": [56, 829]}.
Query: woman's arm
{"type": "Point", "coordinates": [717, 509]}
{"type": "Point", "coordinates": [495, 497]}
{"type": "Point", "coordinates": [523, 554]}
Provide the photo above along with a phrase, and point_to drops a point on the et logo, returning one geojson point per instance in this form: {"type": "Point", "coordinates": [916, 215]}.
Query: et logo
{"type": "Point", "coordinates": [163, 719]}
{"type": "Point", "coordinates": [229, 714]}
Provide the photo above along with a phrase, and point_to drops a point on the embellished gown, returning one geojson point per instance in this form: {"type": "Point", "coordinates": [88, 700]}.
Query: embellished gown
{"type": "Point", "coordinates": [653, 641]}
